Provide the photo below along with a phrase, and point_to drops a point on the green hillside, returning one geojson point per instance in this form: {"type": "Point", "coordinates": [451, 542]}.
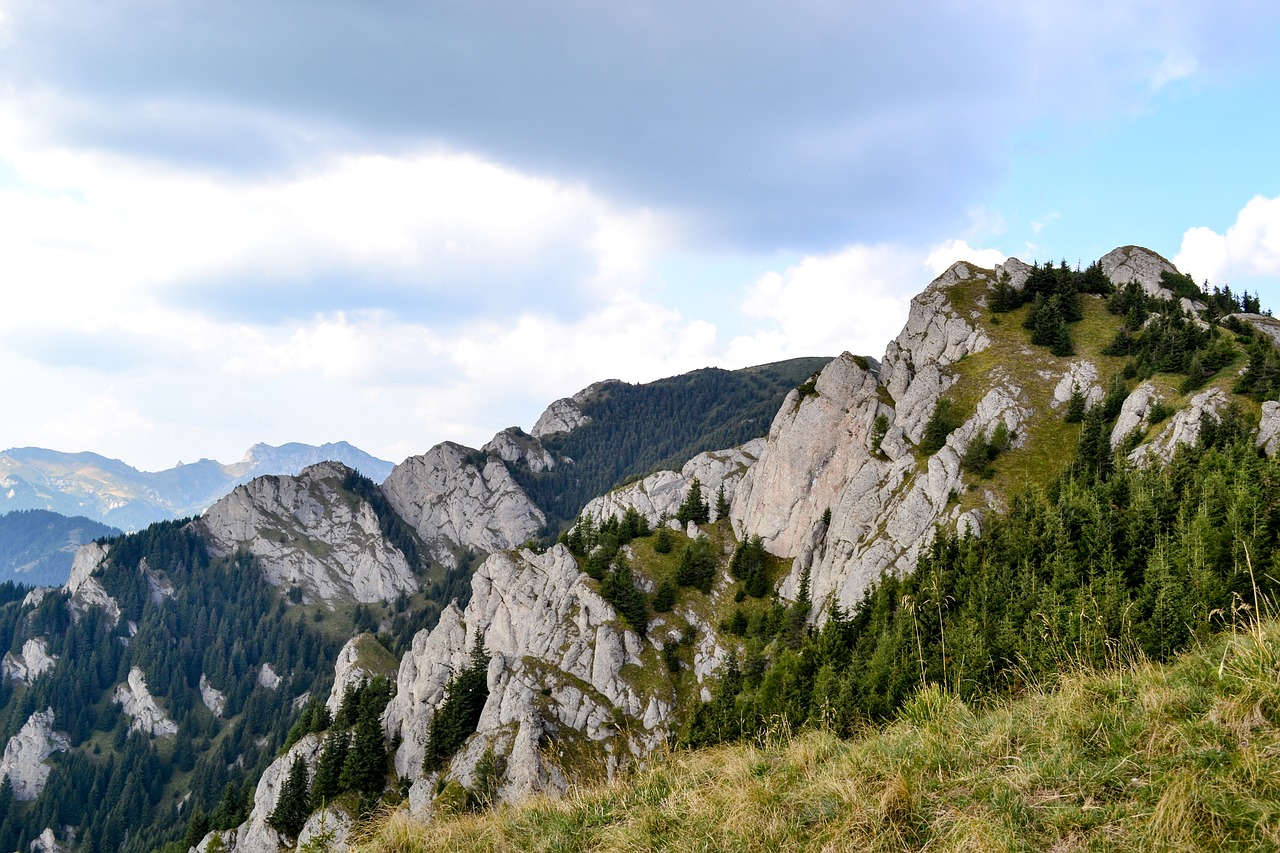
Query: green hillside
{"type": "Point", "coordinates": [37, 546]}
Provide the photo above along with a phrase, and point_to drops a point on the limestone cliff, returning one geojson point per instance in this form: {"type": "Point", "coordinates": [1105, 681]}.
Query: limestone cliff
{"type": "Point", "coordinates": [26, 754]}
{"type": "Point", "coordinates": [310, 534]}
{"type": "Point", "coordinates": [33, 662]}
{"type": "Point", "coordinates": [140, 706]}
{"type": "Point", "coordinates": [662, 493]}
{"type": "Point", "coordinates": [884, 500]}
{"type": "Point", "coordinates": [458, 498]}
{"type": "Point", "coordinates": [566, 415]}
{"type": "Point", "coordinates": [564, 670]}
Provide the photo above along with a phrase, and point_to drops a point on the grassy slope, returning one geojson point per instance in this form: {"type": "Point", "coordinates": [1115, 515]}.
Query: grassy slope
{"type": "Point", "coordinates": [1050, 441]}
{"type": "Point", "coordinates": [1176, 757]}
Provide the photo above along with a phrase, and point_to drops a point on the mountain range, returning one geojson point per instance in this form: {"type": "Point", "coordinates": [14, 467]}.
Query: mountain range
{"type": "Point", "coordinates": [117, 494]}
{"type": "Point", "coordinates": [1046, 468]}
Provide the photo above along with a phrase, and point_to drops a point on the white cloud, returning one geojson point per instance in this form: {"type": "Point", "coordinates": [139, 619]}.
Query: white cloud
{"type": "Point", "coordinates": [1250, 246]}
{"type": "Point", "coordinates": [103, 419]}
{"type": "Point", "coordinates": [853, 300]}
{"type": "Point", "coordinates": [89, 239]}
{"type": "Point", "coordinates": [1172, 68]}
{"type": "Point", "coordinates": [945, 254]}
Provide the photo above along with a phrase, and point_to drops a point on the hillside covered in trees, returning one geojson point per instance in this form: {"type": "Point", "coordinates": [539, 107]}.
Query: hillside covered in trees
{"type": "Point", "coordinates": [635, 429]}
{"type": "Point", "coordinates": [37, 546]}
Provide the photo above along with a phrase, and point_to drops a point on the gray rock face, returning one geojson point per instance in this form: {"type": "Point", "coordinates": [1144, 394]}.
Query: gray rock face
{"type": "Point", "coordinates": [453, 503]}
{"type": "Point", "coordinates": [1269, 428]}
{"type": "Point", "coordinates": [664, 491]}
{"type": "Point", "coordinates": [268, 677]}
{"type": "Point", "coordinates": [1184, 428]}
{"type": "Point", "coordinates": [354, 666]}
{"type": "Point", "coordinates": [566, 415]}
{"type": "Point", "coordinates": [329, 829]}
{"type": "Point", "coordinates": [25, 753]}
{"type": "Point", "coordinates": [514, 447]}
{"type": "Point", "coordinates": [1268, 326]}
{"type": "Point", "coordinates": [819, 455]}
{"type": "Point", "coordinates": [1082, 374]}
{"type": "Point", "coordinates": [45, 842]}
{"type": "Point", "coordinates": [1133, 414]}
{"type": "Point", "coordinates": [559, 669]}
{"type": "Point", "coordinates": [215, 700]}
{"type": "Point", "coordinates": [1018, 272]}
{"type": "Point", "coordinates": [255, 835]}
{"type": "Point", "coordinates": [34, 661]}
{"type": "Point", "coordinates": [138, 703]}
{"type": "Point", "coordinates": [86, 591]}
{"type": "Point", "coordinates": [309, 534]}
{"type": "Point", "coordinates": [1133, 263]}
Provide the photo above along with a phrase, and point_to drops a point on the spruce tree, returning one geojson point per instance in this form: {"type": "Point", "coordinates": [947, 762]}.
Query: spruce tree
{"type": "Point", "coordinates": [328, 781]}
{"type": "Point", "coordinates": [722, 504]}
{"type": "Point", "coordinates": [456, 717]}
{"type": "Point", "coordinates": [291, 808]}
{"type": "Point", "coordinates": [694, 508]}
{"type": "Point", "coordinates": [365, 767]}
{"type": "Point", "coordinates": [1075, 405]}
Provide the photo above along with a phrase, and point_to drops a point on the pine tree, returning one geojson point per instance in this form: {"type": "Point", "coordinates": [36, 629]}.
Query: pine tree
{"type": "Point", "coordinates": [1075, 405]}
{"type": "Point", "coordinates": [722, 504]}
{"type": "Point", "coordinates": [456, 718]}
{"type": "Point", "coordinates": [365, 767]}
{"type": "Point", "coordinates": [291, 808]}
{"type": "Point", "coordinates": [619, 589]}
{"type": "Point", "coordinates": [333, 755]}
{"type": "Point", "coordinates": [694, 508]}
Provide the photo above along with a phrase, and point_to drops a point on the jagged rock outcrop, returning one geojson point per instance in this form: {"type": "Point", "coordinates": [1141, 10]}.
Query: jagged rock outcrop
{"type": "Point", "coordinates": [565, 414]}
{"type": "Point", "coordinates": [34, 661]}
{"type": "Point", "coordinates": [255, 835]}
{"type": "Point", "coordinates": [268, 677]}
{"type": "Point", "coordinates": [513, 446]}
{"type": "Point", "coordinates": [1269, 428]}
{"type": "Point", "coordinates": [1018, 271]}
{"type": "Point", "coordinates": [310, 534]}
{"type": "Point", "coordinates": [1134, 412]}
{"type": "Point", "coordinates": [85, 589]}
{"type": "Point", "coordinates": [1134, 263]}
{"type": "Point", "coordinates": [362, 658]}
{"type": "Point", "coordinates": [883, 503]}
{"type": "Point", "coordinates": [1083, 375]}
{"type": "Point", "coordinates": [662, 492]}
{"type": "Point", "coordinates": [137, 702]}
{"type": "Point", "coordinates": [562, 670]}
{"type": "Point", "coordinates": [454, 500]}
{"type": "Point", "coordinates": [215, 700]}
{"type": "Point", "coordinates": [1184, 428]}
{"type": "Point", "coordinates": [1263, 323]}
{"type": "Point", "coordinates": [25, 754]}
{"type": "Point", "coordinates": [45, 842]}
{"type": "Point", "coordinates": [329, 829]}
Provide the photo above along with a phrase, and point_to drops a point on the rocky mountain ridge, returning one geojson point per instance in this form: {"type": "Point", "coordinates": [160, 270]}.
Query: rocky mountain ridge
{"type": "Point", "coordinates": [842, 489]}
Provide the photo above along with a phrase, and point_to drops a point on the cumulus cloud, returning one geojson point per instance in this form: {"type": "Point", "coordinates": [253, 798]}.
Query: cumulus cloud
{"type": "Point", "coordinates": [855, 300]}
{"type": "Point", "coordinates": [951, 251]}
{"type": "Point", "coordinates": [84, 233]}
{"type": "Point", "coordinates": [769, 125]}
{"type": "Point", "coordinates": [1249, 247]}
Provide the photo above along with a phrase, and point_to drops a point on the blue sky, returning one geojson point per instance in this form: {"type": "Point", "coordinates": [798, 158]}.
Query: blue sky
{"type": "Point", "coordinates": [396, 223]}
